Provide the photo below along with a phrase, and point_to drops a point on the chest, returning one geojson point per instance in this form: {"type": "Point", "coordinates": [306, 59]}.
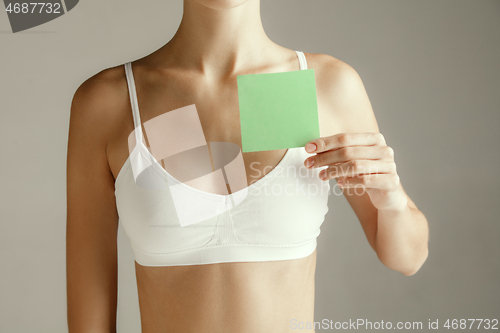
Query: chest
{"type": "Point", "coordinates": [216, 104]}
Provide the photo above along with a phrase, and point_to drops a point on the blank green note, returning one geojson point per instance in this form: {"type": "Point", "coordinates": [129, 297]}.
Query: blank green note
{"type": "Point", "coordinates": [277, 110]}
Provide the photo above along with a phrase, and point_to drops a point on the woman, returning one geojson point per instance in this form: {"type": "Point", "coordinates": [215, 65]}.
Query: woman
{"type": "Point", "coordinates": [187, 280]}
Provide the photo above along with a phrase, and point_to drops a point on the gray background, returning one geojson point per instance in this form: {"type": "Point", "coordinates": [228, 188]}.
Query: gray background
{"type": "Point", "coordinates": [431, 70]}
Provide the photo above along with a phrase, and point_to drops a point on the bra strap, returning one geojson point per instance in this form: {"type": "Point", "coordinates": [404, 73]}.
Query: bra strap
{"type": "Point", "coordinates": [302, 60]}
{"type": "Point", "coordinates": [133, 101]}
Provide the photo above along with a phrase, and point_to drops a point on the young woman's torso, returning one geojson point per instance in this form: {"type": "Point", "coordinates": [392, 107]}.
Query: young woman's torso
{"type": "Point", "coordinates": [226, 297]}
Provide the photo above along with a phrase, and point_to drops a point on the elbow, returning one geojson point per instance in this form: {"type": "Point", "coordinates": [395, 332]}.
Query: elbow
{"type": "Point", "coordinates": [417, 264]}
{"type": "Point", "coordinates": [410, 273]}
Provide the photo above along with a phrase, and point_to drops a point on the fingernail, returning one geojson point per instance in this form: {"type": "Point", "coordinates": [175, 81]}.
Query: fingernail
{"type": "Point", "coordinates": [311, 147]}
{"type": "Point", "coordinates": [309, 163]}
{"type": "Point", "coordinates": [322, 175]}
{"type": "Point", "coordinates": [340, 182]}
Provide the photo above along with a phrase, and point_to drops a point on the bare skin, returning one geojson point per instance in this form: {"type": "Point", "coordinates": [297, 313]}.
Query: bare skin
{"type": "Point", "coordinates": [217, 41]}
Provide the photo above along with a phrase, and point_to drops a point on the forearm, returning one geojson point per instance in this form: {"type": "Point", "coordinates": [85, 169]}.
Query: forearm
{"type": "Point", "coordinates": [401, 241]}
{"type": "Point", "coordinates": [363, 160]}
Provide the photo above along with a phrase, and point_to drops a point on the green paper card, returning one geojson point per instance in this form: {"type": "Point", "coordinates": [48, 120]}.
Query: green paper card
{"type": "Point", "coordinates": [278, 110]}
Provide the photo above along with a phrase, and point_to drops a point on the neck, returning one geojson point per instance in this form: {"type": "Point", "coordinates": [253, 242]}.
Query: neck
{"type": "Point", "coordinates": [219, 41]}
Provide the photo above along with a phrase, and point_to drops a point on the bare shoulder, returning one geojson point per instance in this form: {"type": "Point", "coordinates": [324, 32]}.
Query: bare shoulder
{"type": "Point", "coordinates": [333, 73]}
{"type": "Point", "coordinates": [98, 116]}
{"type": "Point", "coordinates": [343, 94]}
{"type": "Point", "coordinates": [99, 100]}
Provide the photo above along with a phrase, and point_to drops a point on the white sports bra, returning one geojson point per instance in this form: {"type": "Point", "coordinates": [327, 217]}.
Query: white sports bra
{"type": "Point", "coordinates": [278, 217]}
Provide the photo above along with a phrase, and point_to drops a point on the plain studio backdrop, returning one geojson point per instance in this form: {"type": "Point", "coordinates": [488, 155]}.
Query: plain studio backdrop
{"type": "Point", "coordinates": [431, 70]}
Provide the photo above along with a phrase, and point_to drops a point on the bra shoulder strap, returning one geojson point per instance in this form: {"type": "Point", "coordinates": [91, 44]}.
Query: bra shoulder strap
{"type": "Point", "coordinates": [133, 101]}
{"type": "Point", "coordinates": [302, 60]}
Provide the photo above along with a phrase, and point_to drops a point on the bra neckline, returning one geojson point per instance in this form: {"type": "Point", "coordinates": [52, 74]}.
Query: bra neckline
{"type": "Point", "coordinates": [171, 179]}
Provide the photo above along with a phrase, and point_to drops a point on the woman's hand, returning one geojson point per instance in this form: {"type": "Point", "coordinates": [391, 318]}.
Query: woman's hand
{"type": "Point", "coordinates": [360, 160]}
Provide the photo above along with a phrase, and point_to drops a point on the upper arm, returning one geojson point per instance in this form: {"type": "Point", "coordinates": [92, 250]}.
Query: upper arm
{"type": "Point", "coordinates": [350, 111]}
{"type": "Point", "coordinates": [92, 219]}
